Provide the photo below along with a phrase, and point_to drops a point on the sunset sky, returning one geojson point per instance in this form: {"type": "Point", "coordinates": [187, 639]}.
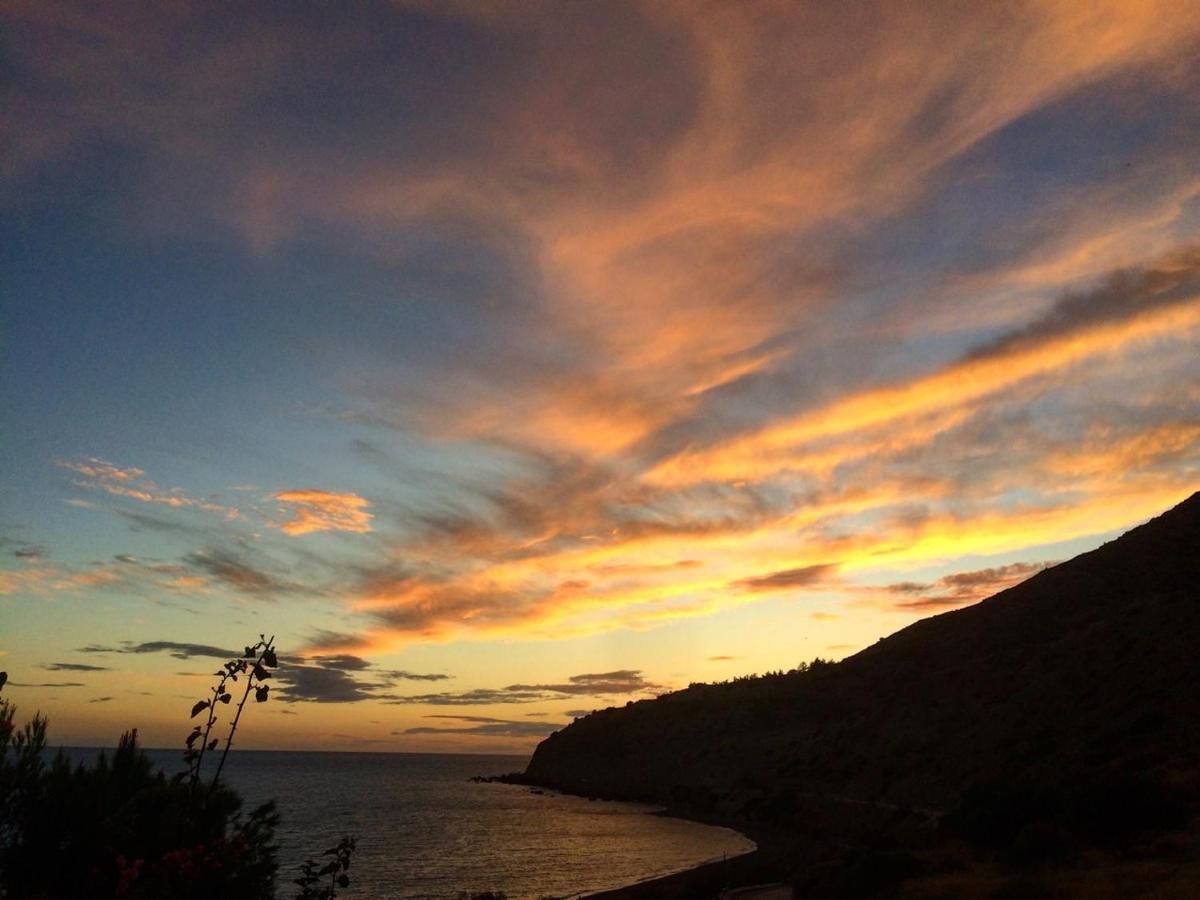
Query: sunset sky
{"type": "Point", "coordinates": [512, 360]}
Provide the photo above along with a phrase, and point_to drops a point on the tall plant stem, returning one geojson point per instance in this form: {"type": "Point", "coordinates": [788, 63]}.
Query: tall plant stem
{"type": "Point", "coordinates": [267, 647]}
{"type": "Point", "coordinates": [212, 718]}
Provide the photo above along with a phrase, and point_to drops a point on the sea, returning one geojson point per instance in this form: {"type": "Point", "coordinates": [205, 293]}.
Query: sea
{"type": "Point", "coordinates": [425, 830]}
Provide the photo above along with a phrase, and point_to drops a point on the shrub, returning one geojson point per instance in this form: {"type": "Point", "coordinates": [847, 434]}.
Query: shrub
{"type": "Point", "coordinates": [119, 828]}
{"type": "Point", "coordinates": [320, 882]}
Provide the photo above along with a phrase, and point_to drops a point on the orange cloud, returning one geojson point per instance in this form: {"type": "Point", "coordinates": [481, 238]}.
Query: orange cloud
{"type": "Point", "coordinates": [962, 383]}
{"type": "Point", "coordinates": [507, 602]}
{"type": "Point", "coordinates": [960, 588]}
{"type": "Point", "coordinates": [800, 122]}
{"type": "Point", "coordinates": [313, 510]}
{"type": "Point", "coordinates": [1105, 452]}
{"type": "Point", "coordinates": [711, 258]}
{"type": "Point", "coordinates": [45, 580]}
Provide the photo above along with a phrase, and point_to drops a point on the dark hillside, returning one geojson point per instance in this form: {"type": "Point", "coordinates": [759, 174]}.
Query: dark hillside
{"type": "Point", "coordinates": [1088, 670]}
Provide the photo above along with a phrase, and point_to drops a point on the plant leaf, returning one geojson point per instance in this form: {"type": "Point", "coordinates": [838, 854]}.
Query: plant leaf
{"type": "Point", "coordinates": [200, 706]}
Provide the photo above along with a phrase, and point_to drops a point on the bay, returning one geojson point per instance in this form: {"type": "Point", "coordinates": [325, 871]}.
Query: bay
{"type": "Point", "coordinates": [424, 831]}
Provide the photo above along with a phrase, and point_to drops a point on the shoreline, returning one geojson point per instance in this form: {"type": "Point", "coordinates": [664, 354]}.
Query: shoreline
{"type": "Point", "coordinates": [761, 866]}
{"type": "Point", "coordinates": [705, 879]}
{"type": "Point", "coordinates": [709, 877]}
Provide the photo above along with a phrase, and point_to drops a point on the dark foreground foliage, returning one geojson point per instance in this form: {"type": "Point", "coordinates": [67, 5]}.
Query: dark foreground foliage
{"type": "Point", "coordinates": [119, 828]}
{"type": "Point", "coordinates": [320, 879]}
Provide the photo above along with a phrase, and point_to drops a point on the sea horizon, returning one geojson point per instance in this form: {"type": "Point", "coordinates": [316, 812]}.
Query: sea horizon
{"type": "Point", "coordinates": [52, 746]}
{"type": "Point", "coordinates": [426, 831]}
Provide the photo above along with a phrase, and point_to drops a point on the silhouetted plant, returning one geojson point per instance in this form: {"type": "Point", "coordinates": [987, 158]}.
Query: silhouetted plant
{"type": "Point", "coordinates": [320, 881]}
{"type": "Point", "coordinates": [119, 828]}
{"type": "Point", "coordinates": [20, 769]}
{"type": "Point", "coordinates": [20, 766]}
{"type": "Point", "coordinates": [255, 664]}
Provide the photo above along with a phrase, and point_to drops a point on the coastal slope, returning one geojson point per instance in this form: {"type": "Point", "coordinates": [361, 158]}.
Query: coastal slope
{"type": "Point", "coordinates": [1088, 670]}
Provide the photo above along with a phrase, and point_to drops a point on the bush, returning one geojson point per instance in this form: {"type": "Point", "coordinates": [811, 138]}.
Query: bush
{"type": "Point", "coordinates": [118, 828]}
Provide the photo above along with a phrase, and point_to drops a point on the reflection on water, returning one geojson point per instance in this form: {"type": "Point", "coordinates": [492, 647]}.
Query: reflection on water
{"type": "Point", "coordinates": [424, 830]}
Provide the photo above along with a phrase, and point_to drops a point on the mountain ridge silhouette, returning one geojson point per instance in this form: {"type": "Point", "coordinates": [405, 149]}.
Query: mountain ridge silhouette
{"type": "Point", "coordinates": [1090, 666]}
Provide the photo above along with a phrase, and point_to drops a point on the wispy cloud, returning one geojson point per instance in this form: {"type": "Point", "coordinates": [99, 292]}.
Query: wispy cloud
{"type": "Point", "coordinates": [344, 661]}
{"type": "Point", "coordinates": [394, 675]}
{"type": "Point", "coordinates": [961, 588]}
{"type": "Point", "coordinates": [622, 681]}
{"type": "Point", "coordinates": [179, 650]}
{"type": "Point", "coordinates": [1133, 307]}
{"type": "Point", "coordinates": [474, 697]}
{"type": "Point", "coordinates": [122, 572]}
{"type": "Point", "coordinates": [132, 484]}
{"type": "Point", "coordinates": [341, 678]}
{"type": "Point", "coordinates": [74, 667]}
{"type": "Point", "coordinates": [230, 569]}
{"type": "Point", "coordinates": [315, 684]}
{"type": "Point", "coordinates": [49, 578]}
{"type": "Point", "coordinates": [804, 576]}
{"type": "Point", "coordinates": [46, 684]}
{"type": "Point", "coordinates": [484, 726]}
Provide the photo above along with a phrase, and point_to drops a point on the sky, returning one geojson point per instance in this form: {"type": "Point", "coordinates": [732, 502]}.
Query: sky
{"type": "Point", "coordinates": [506, 361]}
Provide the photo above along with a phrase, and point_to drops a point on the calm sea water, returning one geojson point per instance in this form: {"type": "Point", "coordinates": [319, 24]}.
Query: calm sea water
{"type": "Point", "coordinates": [425, 831]}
